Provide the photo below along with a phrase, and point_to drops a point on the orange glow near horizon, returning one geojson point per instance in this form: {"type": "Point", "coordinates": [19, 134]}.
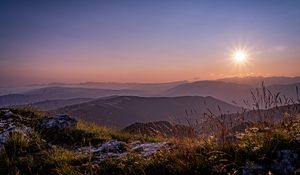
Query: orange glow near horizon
{"type": "Point", "coordinates": [147, 42]}
{"type": "Point", "coordinates": [238, 62]}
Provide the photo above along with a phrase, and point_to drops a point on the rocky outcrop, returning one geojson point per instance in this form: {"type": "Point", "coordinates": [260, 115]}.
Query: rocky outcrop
{"type": "Point", "coordinates": [148, 149]}
{"type": "Point", "coordinates": [285, 160]}
{"type": "Point", "coordinates": [161, 128]}
{"type": "Point", "coordinates": [252, 168]}
{"type": "Point", "coordinates": [59, 122]}
{"type": "Point", "coordinates": [117, 149]}
{"type": "Point", "coordinates": [112, 149]}
{"type": "Point", "coordinates": [7, 132]}
{"type": "Point", "coordinates": [11, 124]}
{"type": "Point", "coordinates": [286, 163]}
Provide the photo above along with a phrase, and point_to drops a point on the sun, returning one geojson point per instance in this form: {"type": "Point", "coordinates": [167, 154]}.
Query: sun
{"type": "Point", "coordinates": [240, 56]}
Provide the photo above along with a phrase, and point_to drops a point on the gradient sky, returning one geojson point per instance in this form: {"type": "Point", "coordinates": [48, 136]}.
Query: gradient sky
{"type": "Point", "coordinates": [145, 41]}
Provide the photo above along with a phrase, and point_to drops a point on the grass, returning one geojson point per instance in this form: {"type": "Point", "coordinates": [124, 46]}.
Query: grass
{"type": "Point", "coordinates": [50, 152]}
{"type": "Point", "coordinates": [258, 144]}
{"type": "Point", "coordinates": [62, 161]}
{"type": "Point", "coordinates": [20, 154]}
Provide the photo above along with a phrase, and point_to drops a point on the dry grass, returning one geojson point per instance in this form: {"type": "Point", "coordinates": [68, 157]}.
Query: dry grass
{"type": "Point", "coordinates": [213, 153]}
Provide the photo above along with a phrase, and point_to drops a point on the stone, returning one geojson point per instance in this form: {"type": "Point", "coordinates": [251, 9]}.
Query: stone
{"type": "Point", "coordinates": [148, 149]}
{"type": "Point", "coordinates": [7, 132]}
{"type": "Point", "coordinates": [252, 169]}
{"type": "Point", "coordinates": [118, 149]}
{"type": "Point", "coordinates": [9, 124]}
{"type": "Point", "coordinates": [112, 148]}
{"type": "Point", "coordinates": [59, 122]}
{"type": "Point", "coordinates": [286, 162]}
{"type": "Point", "coordinates": [7, 115]}
{"type": "Point", "coordinates": [297, 172]}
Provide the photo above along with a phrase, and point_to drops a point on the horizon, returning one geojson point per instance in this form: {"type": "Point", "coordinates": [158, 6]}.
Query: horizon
{"type": "Point", "coordinates": [83, 83]}
{"type": "Point", "coordinates": [161, 82]}
{"type": "Point", "coordinates": [146, 42]}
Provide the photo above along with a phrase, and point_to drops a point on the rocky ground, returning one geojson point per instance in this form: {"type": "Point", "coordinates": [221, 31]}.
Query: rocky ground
{"type": "Point", "coordinates": [11, 123]}
{"type": "Point", "coordinates": [34, 143]}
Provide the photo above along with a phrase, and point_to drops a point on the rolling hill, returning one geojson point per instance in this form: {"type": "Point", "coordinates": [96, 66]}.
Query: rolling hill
{"type": "Point", "coordinates": [151, 88]}
{"type": "Point", "coordinates": [54, 104]}
{"type": "Point", "coordinates": [225, 91]}
{"type": "Point", "coordinates": [55, 93]}
{"type": "Point", "coordinates": [124, 110]}
{"type": "Point", "coordinates": [228, 92]}
{"type": "Point", "coordinates": [76, 92]}
{"type": "Point", "coordinates": [256, 81]}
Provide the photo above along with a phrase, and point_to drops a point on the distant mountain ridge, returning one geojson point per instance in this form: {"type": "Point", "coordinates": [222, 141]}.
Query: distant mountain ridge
{"type": "Point", "coordinates": [248, 80]}
{"type": "Point", "coordinates": [54, 104]}
{"type": "Point", "coordinates": [225, 91]}
{"type": "Point", "coordinates": [268, 81]}
{"type": "Point", "coordinates": [151, 88]}
{"type": "Point", "coordinates": [58, 92]}
{"type": "Point", "coordinates": [61, 93]}
{"type": "Point", "coordinates": [232, 90]}
{"type": "Point", "coordinates": [124, 110]}
{"type": "Point", "coordinates": [229, 92]}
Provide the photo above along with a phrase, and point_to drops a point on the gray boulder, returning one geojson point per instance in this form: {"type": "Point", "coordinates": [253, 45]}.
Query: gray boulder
{"type": "Point", "coordinates": [118, 149]}
{"type": "Point", "coordinates": [59, 122]}
{"type": "Point", "coordinates": [148, 149]}
{"type": "Point", "coordinates": [286, 162]}
{"type": "Point", "coordinates": [110, 149]}
{"type": "Point", "coordinates": [10, 124]}
{"type": "Point", "coordinates": [6, 133]}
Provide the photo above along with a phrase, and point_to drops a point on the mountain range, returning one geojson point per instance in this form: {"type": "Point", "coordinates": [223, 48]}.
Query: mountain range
{"type": "Point", "coordinates": [122, 111]}
{"type": "Point", "coordinates": [58, 93]}
{"type": "Point", "coordinates": [256, 81]}
{"type": "Point", "coordinates": [121, 104]}
{"type": "Point", "coordinates": [231, 92]}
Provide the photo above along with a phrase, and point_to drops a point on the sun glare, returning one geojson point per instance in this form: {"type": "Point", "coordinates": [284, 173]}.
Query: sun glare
{"type": "Point", "coordinates": [240, 56]}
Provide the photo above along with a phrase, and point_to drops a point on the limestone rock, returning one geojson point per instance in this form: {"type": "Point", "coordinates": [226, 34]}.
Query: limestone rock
{"type": "Point", "coordinates": [9, 124]}
{"type": "Point", "coordinates": [117, 149]}
{"type": "Point", "coordinates": [148, 149]}
{"type": "Point", "coordinates": [59, 122]}
{"type": "Point", "coordinates": [286, 162]}
{"type": "Point", "coordinates": [5, 134]}
{"type": "Point", "coordinates": [112, 148]}
{"type": "Point", "coordinates": [252, 169]}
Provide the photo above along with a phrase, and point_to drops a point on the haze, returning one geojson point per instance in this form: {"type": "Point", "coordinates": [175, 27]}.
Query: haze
{"type": "Point", "coordinates": [143, 41]}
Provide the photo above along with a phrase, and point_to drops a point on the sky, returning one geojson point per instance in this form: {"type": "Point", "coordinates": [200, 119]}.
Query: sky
{"type": "Point", "coordinates": [46, 41]}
